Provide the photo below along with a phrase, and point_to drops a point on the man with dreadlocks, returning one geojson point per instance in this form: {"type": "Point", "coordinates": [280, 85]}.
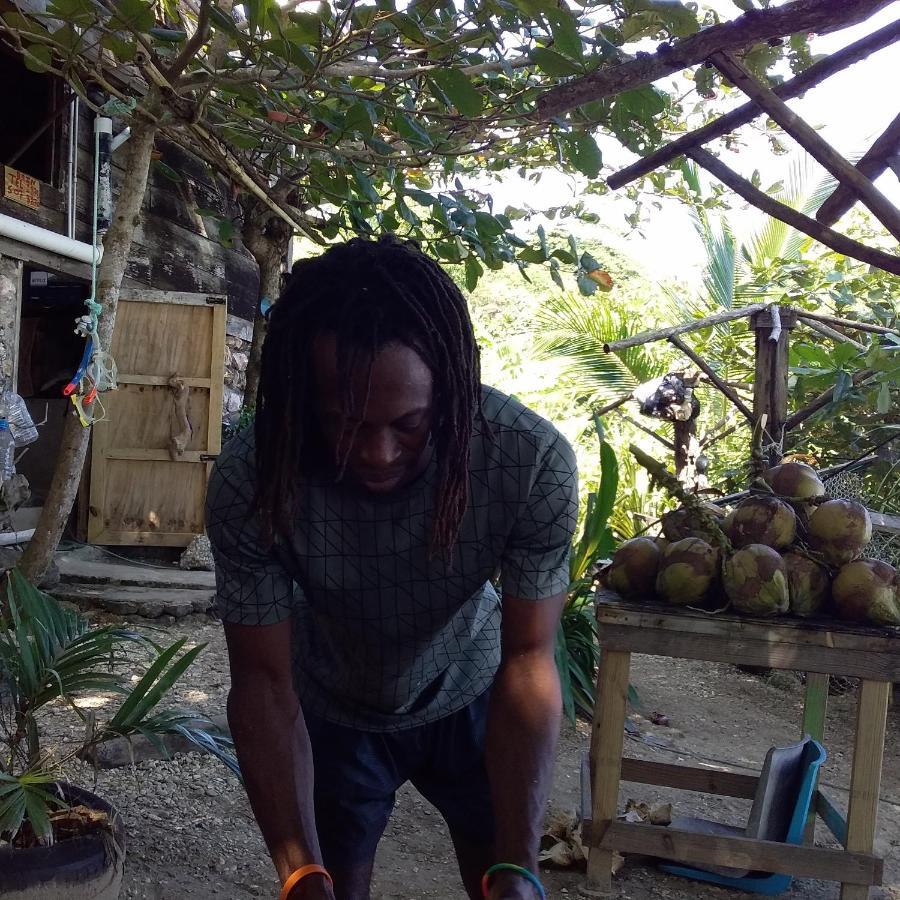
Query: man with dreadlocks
{"type": "Point", "coordinates": [359, 530]}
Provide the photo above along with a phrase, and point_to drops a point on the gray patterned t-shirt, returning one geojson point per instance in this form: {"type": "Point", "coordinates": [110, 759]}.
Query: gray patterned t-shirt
{"type": "Point", "coordinates": [385, 637]}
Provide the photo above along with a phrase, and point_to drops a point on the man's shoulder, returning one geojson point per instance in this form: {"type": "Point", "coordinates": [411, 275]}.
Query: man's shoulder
{"type": "Point", "coordinates": [508, 416]}
{"type": "Point", "coordinates": [518, 435]}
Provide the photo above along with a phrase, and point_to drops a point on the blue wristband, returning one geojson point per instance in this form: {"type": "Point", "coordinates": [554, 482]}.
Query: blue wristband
{"type": "Point", "coordinates": [518, 870]}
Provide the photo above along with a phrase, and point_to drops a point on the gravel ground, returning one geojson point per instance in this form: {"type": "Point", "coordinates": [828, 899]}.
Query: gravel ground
{"type": "Point", "coordinates": [191, 832]}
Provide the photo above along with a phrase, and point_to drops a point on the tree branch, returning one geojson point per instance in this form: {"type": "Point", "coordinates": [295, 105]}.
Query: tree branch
{"type": "Point", "coordinates": [648, 431]}
{"type": "Point", "coordinates": [808, 138]}
{"type": "Point", "coordinates": [710, 373]}
{"type": "Point", "coordinates": [750, 28]}
{"type": "Point", "coordinates": [793, 217]}
{"type": "Point", "coordinates": [747, 112]}
{"type": "Point", "coordinates": [662, 334]}
{"type": "Point", "coordinates": [873, 164]}
{"type": "Point", "coordinates": [193, 44]}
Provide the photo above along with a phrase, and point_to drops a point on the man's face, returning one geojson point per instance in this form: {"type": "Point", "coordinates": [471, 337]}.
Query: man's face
{"type": "Point", "coordinates": [385, 438]}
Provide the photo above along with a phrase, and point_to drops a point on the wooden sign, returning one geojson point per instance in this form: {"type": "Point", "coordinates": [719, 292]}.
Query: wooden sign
{"type": "Point", "coordinates": [21, 188]}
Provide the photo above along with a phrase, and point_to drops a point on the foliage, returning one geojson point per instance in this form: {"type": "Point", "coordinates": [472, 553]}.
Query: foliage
{"type": "Point", "coordinates": [577, 652]}
{"type": "Point", "coordinates": [360, 118]}
{"type": "Point", "coordinates": [51, 654]}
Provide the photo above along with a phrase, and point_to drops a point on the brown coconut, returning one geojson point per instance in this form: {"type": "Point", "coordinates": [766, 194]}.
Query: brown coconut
{"type": "Point", "coordinates": [762, 520]}
{"type": "Point", "coordinates": [795, 481]}
{"type": "Point", "coordinates": [840, 529]}
{"type": "Point", "coordinates": [755, 580]}
{"type": "Point", "coordinates": [865, 590]}
{"type": "Point", "coordinates": [808, 584]}
{"type": "Point", "coordinates": [634, 567]}
{"type": "Point", "coordinates": [682, 523]}
{"type": "Point", "coordinates": [687, 571]}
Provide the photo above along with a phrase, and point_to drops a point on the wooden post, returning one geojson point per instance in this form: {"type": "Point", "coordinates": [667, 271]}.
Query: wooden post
{"type": "Point", "coordinates": [10, 293]}
{"type": "Point", "coordinates": [815, 708]}
{"type": "Point", "coordinates": [865, 779]}
{"type": "Point", "coordinates": [771, 377]}
{"type": "Point", "coordinates": [607, 738]}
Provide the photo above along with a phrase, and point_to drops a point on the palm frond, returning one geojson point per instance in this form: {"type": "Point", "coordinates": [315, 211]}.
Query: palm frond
{"type": "Point", "coordinates": [577, 328]}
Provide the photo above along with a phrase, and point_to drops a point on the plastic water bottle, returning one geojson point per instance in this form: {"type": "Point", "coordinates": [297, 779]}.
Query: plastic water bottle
{"type": "Point", "coordinates": [7, 451]}
{"type": "Point", "coordinates": [20, 422]}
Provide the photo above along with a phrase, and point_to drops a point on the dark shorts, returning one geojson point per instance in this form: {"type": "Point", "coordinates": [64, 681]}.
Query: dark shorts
{"type": "Point", "coordinates": [358, 773]}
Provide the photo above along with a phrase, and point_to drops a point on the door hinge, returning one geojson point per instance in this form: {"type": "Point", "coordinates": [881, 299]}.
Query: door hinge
{"type": "Point", "coordinates": [216, 301]}
{"type": "Point", "coordinates": [208, 457]}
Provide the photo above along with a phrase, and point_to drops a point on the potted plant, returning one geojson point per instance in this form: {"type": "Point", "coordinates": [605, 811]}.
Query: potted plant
{"type": "Point", "coordinates": [57, 839]}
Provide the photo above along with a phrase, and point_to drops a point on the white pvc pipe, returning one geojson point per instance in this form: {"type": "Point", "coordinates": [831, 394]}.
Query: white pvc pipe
{"type": "Point", "coordinates": [15, 537]}
{"type": "Point", "coordinates": [30, 234]}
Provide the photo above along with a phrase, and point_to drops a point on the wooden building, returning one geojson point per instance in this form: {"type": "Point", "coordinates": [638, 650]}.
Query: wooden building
{"type": "Point", "coordinates": [184, 319]}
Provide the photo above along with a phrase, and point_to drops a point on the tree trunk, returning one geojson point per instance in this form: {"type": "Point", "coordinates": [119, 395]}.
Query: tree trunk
{"type": "Point", "coordinates": [74, 444]}
{"type": "Point", "coordinates": [267, 239]}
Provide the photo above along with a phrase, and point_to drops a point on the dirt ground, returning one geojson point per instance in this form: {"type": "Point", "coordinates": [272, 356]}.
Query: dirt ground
{"type": "Point", "coordinates": [191, 833]}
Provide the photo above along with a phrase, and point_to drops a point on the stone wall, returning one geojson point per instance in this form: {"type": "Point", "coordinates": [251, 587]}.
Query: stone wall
{"type": "Point", "coordinates": [237, 352]}
{"type": "Point", "coordinates": [10, 279]}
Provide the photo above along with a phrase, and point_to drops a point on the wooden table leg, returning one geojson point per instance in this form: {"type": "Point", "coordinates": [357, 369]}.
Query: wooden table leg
{"type": "Point", "coordinates": [606, 748]}
{"type": "Point", "coordinates": [865, 780]}
{"type": "Point", "coordinates": [815, 708]}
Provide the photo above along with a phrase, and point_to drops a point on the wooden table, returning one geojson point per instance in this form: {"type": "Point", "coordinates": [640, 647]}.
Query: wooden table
{"type": "Point", "coordinates": [819, 649]}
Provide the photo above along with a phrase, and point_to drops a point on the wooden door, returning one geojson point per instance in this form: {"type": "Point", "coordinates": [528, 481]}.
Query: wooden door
{"type": "Point", "coordinates": [143, 490]}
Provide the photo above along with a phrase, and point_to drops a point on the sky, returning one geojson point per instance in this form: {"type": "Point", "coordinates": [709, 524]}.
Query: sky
{"type": "Point", "coordinates": [851, 109]}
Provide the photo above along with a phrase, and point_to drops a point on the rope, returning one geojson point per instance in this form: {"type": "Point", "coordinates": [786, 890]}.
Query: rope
{"type": "Point", "coordinates": [99, 375]}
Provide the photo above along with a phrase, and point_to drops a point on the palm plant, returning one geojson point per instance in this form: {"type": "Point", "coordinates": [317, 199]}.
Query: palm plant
{"type": "Point", "coordinates": [577, 652]}
{"type": "Point", "coordinates": [49, 653]}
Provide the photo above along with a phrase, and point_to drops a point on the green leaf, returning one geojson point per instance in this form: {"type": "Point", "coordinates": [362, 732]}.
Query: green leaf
{"type": "Point", "coordinates": [554, 64]}
{"type": "Point", "coordinates": [133, 15]}
{"type": "Point", "coordinates": [474, 271]}
{"type": "Point", "coordinates": [643, 102]}
{"type": "Point", "coordinates": [583, 153]}
{"type": "Point", "coordinates": [459, 90]}
{"type": "Point", "coordinates": [83, 13]}
{"type": "Point", "coordinates": [411, 131]}
{"type": "Point", "coordinates": [883, 404]}
{"type": "Point", "coordinates": [488, 225]}
{"type": "Point", "coordinates": [305, 29]}
{"type": "Point", "coordinates": [167, 171]}
{"type": "Point", "coordinates": [406, 213]}
{"type": "Point", "coordinates": [565, 33]}
{"type": "Point", "coordinates": [359, 118]}
{"type": "Point", "coordinates": [409, 28]}
{"type": "Point", "coordinates": [38, 58]}
{"type": "Point", "coordinates": [586, 286]}
{"type": "Point", "coordinates": [123, 50]}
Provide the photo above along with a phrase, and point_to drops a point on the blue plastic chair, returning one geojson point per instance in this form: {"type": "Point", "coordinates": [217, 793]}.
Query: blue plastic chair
{"type": "Point", "coordinates": [780, 810]}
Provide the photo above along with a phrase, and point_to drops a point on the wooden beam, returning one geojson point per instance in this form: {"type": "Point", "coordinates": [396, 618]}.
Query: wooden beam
{"type": "Point", "coordinates": [795, 218]}
{"type": "Point", "coordinates": [770, 381]}
{"type": "Point", "coordinates": [831, 816]}
{"type": "Point", "coordinates": [750, 28]}
{"type": "Point", "coordinates": [871, 166]}
{"type": "Point", "coordinates": [689, 778]}
{"type": "Point", "coordinates": [663, 334]}
{"type": "Point", "coordinates": [747, 112]}
{"type": "Point", "coordinates": [710, 373]}
{"type": "Point", "coordinates": [826, 397]}
{"type": "Point", "coordinates": [744, 853]}
{"type": "Point", "coordinates": [811, 141]}
{"type": "Point", "coordinates": [850, 323]}
{"type": "Point", "coordinates": [829, 332]}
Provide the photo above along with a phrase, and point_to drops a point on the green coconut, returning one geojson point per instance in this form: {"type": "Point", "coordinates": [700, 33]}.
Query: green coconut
{"type": "Point", "coordinates": [762, 520]}
{"type": "Point", "coordinates": [683, 523]}
{"type": "Point", "coordinates": [808, 584]}
{"type": "Point", "coordinates": [866, 590]}
{"type": "Point", "coordinates": [840, 529]}
{"type": "Point", "coordinates": [687, 571]}
{"type": "Point", "coordinates": [795, 481]}
{"type": "Point", "coordinates": [634, 567]}
{"type": "Point", "coordinates": [755, 580]}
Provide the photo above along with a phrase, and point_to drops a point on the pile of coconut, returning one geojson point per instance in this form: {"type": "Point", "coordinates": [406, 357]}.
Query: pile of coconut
{"type": "Point", "coordinates": [786, 548]}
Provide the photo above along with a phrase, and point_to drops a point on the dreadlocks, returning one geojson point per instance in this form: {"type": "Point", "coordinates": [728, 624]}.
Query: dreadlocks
{"type": "Point", "coordinates": [369, 294]}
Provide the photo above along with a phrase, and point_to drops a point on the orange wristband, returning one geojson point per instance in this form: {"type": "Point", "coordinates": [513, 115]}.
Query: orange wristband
{"type": "Point", "coordinates": [299, 874]}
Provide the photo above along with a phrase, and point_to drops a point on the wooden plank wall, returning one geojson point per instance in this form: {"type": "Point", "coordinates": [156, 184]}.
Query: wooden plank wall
{"type": "Point", "coordinates": [174, 248]}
